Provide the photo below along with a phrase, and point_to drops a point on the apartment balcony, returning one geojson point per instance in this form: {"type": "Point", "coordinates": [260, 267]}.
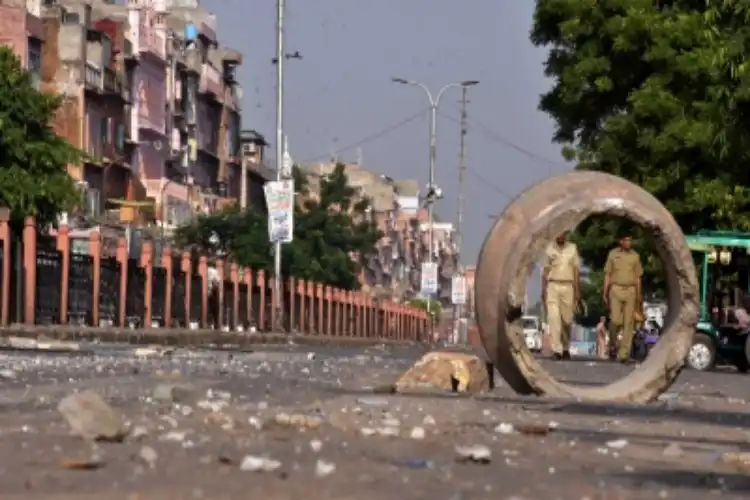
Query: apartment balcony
{"type": "Point", "coordinates": [113, 151]}
{"type": "Point", "coordinates": [93, 77]}
{"type": "Point", "coordinates": [129, 53]}
{"type": "Point", "coordinates": [210, 82]}
{"type": "Point", "coordinates": [151, 40]}
{"type": "Point", "coordinates": [106, 82]}
{"type": "Point", "coordinates": [112, 82]}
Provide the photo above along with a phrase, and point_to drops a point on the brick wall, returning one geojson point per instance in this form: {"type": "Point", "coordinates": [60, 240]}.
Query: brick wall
{"type": "Point", "coordinates": [13, 29]}
{"type": "Point", "coordinates": [67, 122]}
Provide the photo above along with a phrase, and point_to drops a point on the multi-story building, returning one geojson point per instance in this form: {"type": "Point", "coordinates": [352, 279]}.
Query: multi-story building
{"type": "Point", "coordinates": [394, 271]}
{"type": "Point", "coordinates": [148, 95]}
{"type": "Point", "coordinates": [86, 61]}
{"type": "Point", "coordinates": [204, 97]}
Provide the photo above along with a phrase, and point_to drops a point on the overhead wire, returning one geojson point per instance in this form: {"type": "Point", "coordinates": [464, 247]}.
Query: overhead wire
{"type": "Point", "coordinates": [372, 137]}
{"type": "Point", "coordinates": [496, 137]}
{"type": "Point", "coordinates": [489, 184]}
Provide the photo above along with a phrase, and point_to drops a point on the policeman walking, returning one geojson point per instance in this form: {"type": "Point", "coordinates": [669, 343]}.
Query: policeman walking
{"type": "Point", "coordinates": [561, 292]}
{"type": "Point", "coordinates": [622, 291]}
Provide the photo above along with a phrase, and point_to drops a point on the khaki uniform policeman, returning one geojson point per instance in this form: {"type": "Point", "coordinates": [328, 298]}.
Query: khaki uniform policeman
{"type": "Point", "coordinates": [622, 290]}
{"type": "Point", "coordinates": [560, 282]}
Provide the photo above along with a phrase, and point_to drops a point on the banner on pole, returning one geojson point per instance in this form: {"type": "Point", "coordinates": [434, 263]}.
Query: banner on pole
{"type": "Point", "coordinates": [458, 290]}
{"type": "Point", "coordinates": [280, 202]}
{"type": "Point", "coordinates": [429, 284]}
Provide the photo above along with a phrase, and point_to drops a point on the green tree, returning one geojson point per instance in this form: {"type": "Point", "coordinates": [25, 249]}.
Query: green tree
{"type": "Point", "coordinates": [657, 92]}
{"type": "Point", "coordinates": [592, 300]}
{"type": "Point", "coordinates": [234, 234]}
{"type": "Point", "coordinates": [435, 309]}
{"type": "Point", "coordinates": [333, 234]}
{"type": "Point", "coordinates": [34, 180]}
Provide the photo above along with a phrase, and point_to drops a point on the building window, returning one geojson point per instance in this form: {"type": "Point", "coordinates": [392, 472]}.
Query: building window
{"type": "Point", "coordinates": [104, 131]}
{"type": "Point", "coordinates": [120, 137]}
{"type": "Point", "coordinates": [35, 63]}
{"type": "Point", "coordinates": [94, 140]}
{"type": "Point", "coordinates": [106, 51]}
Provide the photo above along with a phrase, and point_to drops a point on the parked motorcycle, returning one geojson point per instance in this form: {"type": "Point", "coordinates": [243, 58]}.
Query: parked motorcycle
{"type": "Point", "coordinates": [645, 339]}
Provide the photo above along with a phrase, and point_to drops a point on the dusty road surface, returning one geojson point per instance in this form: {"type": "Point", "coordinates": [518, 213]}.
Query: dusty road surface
{"type": "Point", "coordinates": [299, 423]}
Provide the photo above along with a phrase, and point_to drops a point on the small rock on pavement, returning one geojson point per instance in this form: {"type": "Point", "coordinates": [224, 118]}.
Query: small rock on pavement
{"type": "Point", "coordinates": [617, 444]}
{"type": "Point", "coordinates": [324, 468]}
{"type": "Point", "coordinates": [476, 453]}
{"type": "Point", "coordinates": [298, 420]}
{"type": "Point", "coordinates": [252, 463]}
{"type": "Point", "coordinates": [171, 393]}
{"type": "Point", "coordinates": [148, 455]}
{"type": "Point", "coordinates": [505, 428]}
{"type": "Point", "coordinates": [673, 450]}
{"type": "Point", "coordinates": [138, 432]}
{"type": "Point", "coordinates": [152, 351]}
{"type": "Point", "coordinates": [90, 417]}
{"type": "Point", "coordinates": [316, 445]}
{"type": "Point", "coordinates": [417, 433]}
{"type": "Point", "coordinates": [95, 461]}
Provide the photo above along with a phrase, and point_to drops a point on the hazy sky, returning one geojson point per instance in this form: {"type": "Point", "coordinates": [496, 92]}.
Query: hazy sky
{"type": "Point", "coordinates": [340, 96]}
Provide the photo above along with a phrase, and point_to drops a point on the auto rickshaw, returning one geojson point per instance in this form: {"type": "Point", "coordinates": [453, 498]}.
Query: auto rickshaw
{"type": "Point", "coordinates": [723, 260]}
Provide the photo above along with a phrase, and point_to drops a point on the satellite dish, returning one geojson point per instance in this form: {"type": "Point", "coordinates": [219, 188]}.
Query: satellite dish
{"type": "Point", "coordinates": [157, 145]}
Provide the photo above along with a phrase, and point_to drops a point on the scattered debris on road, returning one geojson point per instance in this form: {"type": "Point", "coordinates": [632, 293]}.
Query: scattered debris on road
{"type": "Point", "coordinates": [192, 424]}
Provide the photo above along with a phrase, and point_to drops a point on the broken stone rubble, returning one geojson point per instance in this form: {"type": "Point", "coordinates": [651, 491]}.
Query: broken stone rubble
{"type": "Point", "coordinates": [446, 371]}
{"type": "Point", "coordinates": [328, 450]}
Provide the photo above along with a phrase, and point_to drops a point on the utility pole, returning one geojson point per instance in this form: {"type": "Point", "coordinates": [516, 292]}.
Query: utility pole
{"type": "Point", "coordinates": [281, 55]}
{"type": "Point", "coordinates": [279, 150]}
{"type": "Point", "coordinates": [458, 309]}
{"type": "Point", "coordinates": [434, 193]}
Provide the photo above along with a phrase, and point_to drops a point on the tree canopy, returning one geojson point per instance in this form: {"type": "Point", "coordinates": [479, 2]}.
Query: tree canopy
{"type": "Point", "coordinates": [334, 234]}
{"type": "Point", "coordinates": [657, 92]}
{"type": "Point", "coordinates": [435, 307]}
{"type": "Point", "coordinates": [34, 180]}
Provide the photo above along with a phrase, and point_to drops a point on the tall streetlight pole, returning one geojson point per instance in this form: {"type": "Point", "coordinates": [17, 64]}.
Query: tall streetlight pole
{"type": "Point", "coordinates": [279, 147]}
{"type": "Point", "coordinates": [458, 308]}
{"type": "Point", "coordinates": [433, 192]}
{"type": "Point", "coordinates": [283, 171]}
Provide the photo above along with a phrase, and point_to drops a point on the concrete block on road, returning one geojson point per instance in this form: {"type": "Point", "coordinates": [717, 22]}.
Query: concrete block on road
{"type": "Point", "coordinates": [446, 371]}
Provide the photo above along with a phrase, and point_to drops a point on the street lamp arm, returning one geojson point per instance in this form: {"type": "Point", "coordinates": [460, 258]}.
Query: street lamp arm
{"type": "Point", "coordinates": [414, 83]}
{"type": "Point", "coordinates": [465, 83]}
{"type": "Point", "coordinates": [442, 91]}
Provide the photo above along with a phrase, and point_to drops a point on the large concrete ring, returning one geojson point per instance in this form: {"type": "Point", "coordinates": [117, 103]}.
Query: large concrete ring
{"type": "Point", "coordinates": [519, 237]}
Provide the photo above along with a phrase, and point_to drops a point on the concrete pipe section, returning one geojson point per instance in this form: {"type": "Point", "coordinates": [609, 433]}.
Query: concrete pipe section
{"type": "Point", "coordinates": [520, 236]}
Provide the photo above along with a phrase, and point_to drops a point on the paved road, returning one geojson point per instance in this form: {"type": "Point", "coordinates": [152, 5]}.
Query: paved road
{"type": "Point", "coordinates": [347, 442]}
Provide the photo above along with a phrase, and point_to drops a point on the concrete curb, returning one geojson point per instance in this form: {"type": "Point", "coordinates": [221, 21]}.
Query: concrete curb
{"type": "Point", "coordinates": [182, 337]}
